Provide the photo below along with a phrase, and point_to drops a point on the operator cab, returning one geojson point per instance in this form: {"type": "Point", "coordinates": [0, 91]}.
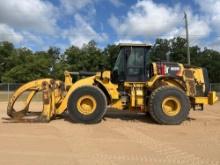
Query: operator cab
{"type": "Point", "coordinates": [131, 64]}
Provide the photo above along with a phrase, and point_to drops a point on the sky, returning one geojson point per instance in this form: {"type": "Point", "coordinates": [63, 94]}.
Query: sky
{"type": "Point", "coordinates": [39, 24]}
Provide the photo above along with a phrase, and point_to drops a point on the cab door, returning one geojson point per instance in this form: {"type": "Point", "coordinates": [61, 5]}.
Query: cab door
{"type": "Point", "coordinates": [136, 64]}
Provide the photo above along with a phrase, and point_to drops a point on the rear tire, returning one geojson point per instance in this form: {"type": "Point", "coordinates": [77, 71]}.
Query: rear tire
{"type": "Point", "coordinates": [169, 105]}
{"type": "Point", "coordinates": [207, 84]}
{"type": "Point", "coordinates": [87, 105]}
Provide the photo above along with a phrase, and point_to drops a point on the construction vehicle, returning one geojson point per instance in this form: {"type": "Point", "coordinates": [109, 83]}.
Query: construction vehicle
{"type": "Point", "coordinates": [166, 90]}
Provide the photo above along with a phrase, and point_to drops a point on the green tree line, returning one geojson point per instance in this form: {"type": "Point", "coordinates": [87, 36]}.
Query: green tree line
{"type": "Point", "coordinates": [20, 65]}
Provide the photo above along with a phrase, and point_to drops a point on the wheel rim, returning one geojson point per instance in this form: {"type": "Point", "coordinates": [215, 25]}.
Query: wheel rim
{"type": "Point", "coordinates": [171, 106]}
{"type": "Point", "coordinates": [86, 105]}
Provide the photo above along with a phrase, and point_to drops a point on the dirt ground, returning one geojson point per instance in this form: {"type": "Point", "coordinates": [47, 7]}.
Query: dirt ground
{"type": "Point", "coordinates": [121, 138]}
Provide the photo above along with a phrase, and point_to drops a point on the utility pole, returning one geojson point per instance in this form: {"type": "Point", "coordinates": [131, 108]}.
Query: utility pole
{"type": "Point", "coordinates": [187, 38]}
{"type": "Point", "coordinates": [168, 56]}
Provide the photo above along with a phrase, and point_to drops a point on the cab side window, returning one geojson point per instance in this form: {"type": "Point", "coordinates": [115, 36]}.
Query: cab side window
{"type": "Point", "coordinates": [135, 63]}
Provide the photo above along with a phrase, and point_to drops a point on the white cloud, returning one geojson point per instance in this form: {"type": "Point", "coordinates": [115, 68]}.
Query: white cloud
{"type": "Point", "coordinates": [210, 6]}
{"type": "Point", "coordinates": [146, 18]}
{"type": "Point", "coordinates": [198, 29]}
{"type": "Point", "coordinates": [128, 41]}
{"type": "Point", "coordinates": [82, 33]}
{"type": "Point", "coordinates": [211, 10]}
{"type": "Point", "coordinates": [72, 6]}
{"type": "Point", "coordinates": [37, 15]}
{"type": "Point", "coordinates": [86, 8]}
{"type": "Point", "coordinates": [31, 38]}
{"type": "Point", "coordinates": [35, 22]}
{"type": "Point", "coordinates": [152, 20]}
{"type": "Point", "coordinates": [9, 34]}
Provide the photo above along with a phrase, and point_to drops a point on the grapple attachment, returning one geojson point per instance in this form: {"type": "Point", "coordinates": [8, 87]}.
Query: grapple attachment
{"type": "Point", "coordinates": [52, 95]}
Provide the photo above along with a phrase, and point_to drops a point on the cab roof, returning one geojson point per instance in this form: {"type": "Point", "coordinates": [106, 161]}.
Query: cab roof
{"type": "Point", "coordinates": [134, 45]}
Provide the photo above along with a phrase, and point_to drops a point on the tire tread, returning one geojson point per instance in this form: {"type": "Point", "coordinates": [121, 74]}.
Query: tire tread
{"type": "Point", "coordinates": [151, 102]}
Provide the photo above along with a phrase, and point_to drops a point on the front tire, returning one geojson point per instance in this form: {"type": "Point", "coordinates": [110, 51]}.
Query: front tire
{"type": "Point", "coordinates": [87, 105]}
{"type": "Point", "coordinates": [169, 105]}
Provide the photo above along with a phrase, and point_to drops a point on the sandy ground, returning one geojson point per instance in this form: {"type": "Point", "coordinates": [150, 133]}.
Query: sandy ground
{"type": "Point", "coordinates": [121, 138]}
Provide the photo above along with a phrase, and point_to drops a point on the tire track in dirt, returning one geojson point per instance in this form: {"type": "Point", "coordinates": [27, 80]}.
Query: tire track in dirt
{"type": "Point", "coordinates": [168, 153]}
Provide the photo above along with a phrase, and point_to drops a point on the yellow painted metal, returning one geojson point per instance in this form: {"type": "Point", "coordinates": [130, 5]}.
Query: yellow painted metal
{"type": "Point", "coordinates": [104, 80]}
{"type": "Point", "coordinates": [83, 82]}
{"type": "Point", "coordinates": [173, 83]}
{"type": "Point", "coordinates": [68, 79]}
{"type": "Point", "coordinates": [46, 113]}
{"type": "Point", "coordinates": [55, 98]}
{"type": "Point", "coordinates": [152, 80]}
{"type": "Point", "coordinates": [211, 99]}
{"type": "Point", "coordinates": [86, 105]}
{"type": "Point", "coordinates": [137, 84]}
{"type": "Point", "coordinates": [111, 88]}
{"type": "Point", "coordinates": [117, 104]}
{"type": "Point", "coordinates": [136, 92]}
{"type": "Point", "coordinates": [154, 68]}
{"type": "Point", "coordinates": [33, 85]}
{"type": "Point", "coordinates": [201, 100]}
{"type": "Point", "coordinates": [197, 78]}
{"type": "Point", "coordinates": [53, 104]}
{"type": "Point", "coordinates": [169, 82]}
{"type": "Point", "coordinates": [180, 74]}
{"type": "Point", "coordinates": [58, 95]}
{"type": "Point", "coordinates": [171, 106]}
{"type": "Point", "coordinates": [133, 97]}
{"type": "Point", "coordinates": [51, 92]}
{"type": "Point", "coordinates": [47, 102]}
{"type": "Point", "coordinates": [139, 93]}
{"type": "Point", "coordinates": [198, 75]}
{"type": "Point", "coordinates": [106, 75]}
{"type": "Point", "coordinates": [140, 101]}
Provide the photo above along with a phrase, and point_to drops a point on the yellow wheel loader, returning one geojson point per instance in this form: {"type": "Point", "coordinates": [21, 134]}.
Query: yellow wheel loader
{"type": "Point", "coordinates": [166, 90]}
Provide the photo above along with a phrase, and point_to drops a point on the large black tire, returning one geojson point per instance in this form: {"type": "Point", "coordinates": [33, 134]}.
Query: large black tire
{"type": "Point", "coordinates": [97, 113]}
{"type": "Point", "coordinates": [175, 97]}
